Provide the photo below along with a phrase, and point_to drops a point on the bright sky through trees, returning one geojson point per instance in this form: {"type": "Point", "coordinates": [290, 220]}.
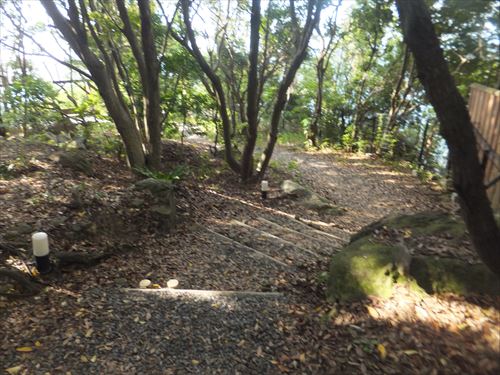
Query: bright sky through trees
{"type": "Point", "coordinates": [37, 19]}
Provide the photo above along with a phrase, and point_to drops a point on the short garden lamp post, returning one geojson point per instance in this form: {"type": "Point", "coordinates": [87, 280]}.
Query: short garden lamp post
{"type": "Point", "coordinates": [264, 188]}
{"type": "Point", "coordinates": [41, 252]}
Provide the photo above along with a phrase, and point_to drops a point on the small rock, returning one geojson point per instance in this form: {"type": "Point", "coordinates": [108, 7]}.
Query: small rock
{"type": "Point", "coordinates": [162, 210]}
{"type": "Point", "coordinates": [291, 188]}
{"type": "Point", "coordinates": [137, 203]}
{"type": "Point", "coordinates": [143, 284]}
{"type": "Point", "coordinates": [172, 283]}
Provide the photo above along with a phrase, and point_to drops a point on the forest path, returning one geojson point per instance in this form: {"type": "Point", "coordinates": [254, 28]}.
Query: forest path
{"type": "Point", "coordinates": [364, 186]}
{"type": "Point", "coordinates": [93, 321]}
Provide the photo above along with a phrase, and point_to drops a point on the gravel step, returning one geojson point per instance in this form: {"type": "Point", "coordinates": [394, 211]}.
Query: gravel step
{"type": "Point", "coordinates": [144, 333]}
{"type": "Point", "coordinates": [229, 236]}
{"type": "Point", "coordinates": [263, 243]}
{"type": "Point", "coordinates": [303, 240]}
{"type": "Point", "coordinates": [336, 237]}
{"type": "Point", "coordinates": [169, 292]}
{"type": "Point", "coordinates": [218, 262]}
{"type": "Point", "coordinates": [275, 237]}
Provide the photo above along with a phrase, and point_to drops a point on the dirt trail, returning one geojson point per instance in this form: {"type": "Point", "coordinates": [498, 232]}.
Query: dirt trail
{"type": "Point", "coordinates": [366, 188]}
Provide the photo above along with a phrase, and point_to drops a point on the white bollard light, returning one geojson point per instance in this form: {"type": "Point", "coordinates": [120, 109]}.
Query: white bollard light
{"type": "Point", "coordinates": [40, 242]}
{"type": "Point", "coordinates": [264, 188]}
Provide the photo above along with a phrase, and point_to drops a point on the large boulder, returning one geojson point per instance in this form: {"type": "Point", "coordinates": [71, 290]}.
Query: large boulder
{"type": "Point", "coordinates": [163, 199]}
{"type": "Point", "coordinates": [420, 224]}
{"type": "Point", "coordinates": [308, 198]}
{"type": "Point", "coordinates": [77, 160]}
{"type": "Point", "coordinates": [160, 189]}
{"type": "Point", "coordinates": [446, 275]}
{"type": "Point", "coordinates": [368, 268]}
{"type": "Point", "coordinates": [374, 266]}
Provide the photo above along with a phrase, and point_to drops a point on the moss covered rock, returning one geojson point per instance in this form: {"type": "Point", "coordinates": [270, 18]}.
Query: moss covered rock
{"type": "Point", "coordinates": [420, 224]}
{"type": "Point", "coordinates": [444, 275]}
{"type": "Point", "coordinates": [368, 268]}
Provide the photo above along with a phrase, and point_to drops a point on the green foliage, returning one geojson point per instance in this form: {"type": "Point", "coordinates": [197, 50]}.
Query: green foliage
{"type": "Point", "coordinates": [293, 165]}
{"type": "Point", "coordinates": [6, 171]}
{"type": "Point", "coordinates": [29, 103]}
{"type": "Point", "coordinates": [173, 176]}
{"type": "Point", "coordinates": [362, 75]}
{"type": "Point", "coordinates": [292, 139]}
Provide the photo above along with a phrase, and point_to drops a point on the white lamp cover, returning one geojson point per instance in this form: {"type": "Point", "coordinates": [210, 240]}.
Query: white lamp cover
{"type": "Point", "coordinates": [40, 244]}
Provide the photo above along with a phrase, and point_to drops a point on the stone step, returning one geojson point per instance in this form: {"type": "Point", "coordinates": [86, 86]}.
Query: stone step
{"type": "Point", "coordinates": [275, 237]}
{"type": "Point", "coordinates": [335, 237]}
{"type": "Point", "coordinates": [247, 248]}
{"type": "Point", "coordinates": [265, 244]}
{"type": "Point", "coordinates": [299, 239]}
{"type": "Point", "coordinates": [207, 294]}
{"type": "Point", "coordinates": [227, 265]}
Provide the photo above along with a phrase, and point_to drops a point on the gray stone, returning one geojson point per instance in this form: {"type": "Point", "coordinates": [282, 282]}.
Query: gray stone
{"type": "Point", "coordinates": [309, 199]}
{"type": "Point", "coordinates": [368, 268]}
{"type": "Point", "coordinates": [155, 186]}
{"type": "Point", "coordinates": [291, 188]}
{"type": "Point", "coordinates": [162, 210]}
{"type": "Point", "coordinates": [165, 214]}
{"type": "Point", "coordinates": [77, 160]}
{"type": "Point", "coordinates": [163, 199]}
{"type": "Point", "coordinates": [371, 266]}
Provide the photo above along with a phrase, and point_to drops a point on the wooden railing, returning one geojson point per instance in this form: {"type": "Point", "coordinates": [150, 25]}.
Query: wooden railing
{"type": "Point", "coordinates": [484, 109]}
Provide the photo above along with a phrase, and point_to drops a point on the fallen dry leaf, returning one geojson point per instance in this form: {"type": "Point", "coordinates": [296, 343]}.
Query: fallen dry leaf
{"type": "Point", "coordinates": [382, 351]}
{"type": "Point", "coordinates": [24, 349]}
{"type": "Point", "coordinates": [14, 370]}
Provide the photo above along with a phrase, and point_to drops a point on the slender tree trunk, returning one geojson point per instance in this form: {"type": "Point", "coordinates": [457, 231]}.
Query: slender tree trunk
{"type": "Point", "coordinates": [152, 89]}
{"type": "Point", "coordinates": [216, 84]}
{"type": "Point", "coordinates": [318, 108]}
{"type": "Point", "coordinates": [422, 146]}
{"type": "Point", "coordinates": [455, 127]}
{"type": "Point", "coordinates": [252, 93]}
{"type": "Point", "coordinates": [314, 12]}
{"type": "Point", "coordinates": [73, 31]}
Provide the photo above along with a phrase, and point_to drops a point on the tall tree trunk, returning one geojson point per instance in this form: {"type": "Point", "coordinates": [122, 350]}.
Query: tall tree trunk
{"type": "Point", "coordinates": [314, 11]}
{"type": "Point", "coordinates": [422, 146]}
{"type": "Point", "coordinates": [152, 88]}
{"type": "Point", "coordinates": [218, 89]}
{"type": "Point", "coordinates": [73, 31]}
{"type": "Point", "coordinates": [252, 93]}
{"type": "Point", "coordinates": [318, 108]}
{"type": "Point", "coordinates": [455, 127]}
{"type": "Point", "coordinates": [321, 68]}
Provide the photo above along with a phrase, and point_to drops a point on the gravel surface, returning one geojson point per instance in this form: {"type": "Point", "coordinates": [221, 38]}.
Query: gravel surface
{"type": "Point", "coordinates": [85, 323]}
{"type": "Point", "coordinates": [127, 332]}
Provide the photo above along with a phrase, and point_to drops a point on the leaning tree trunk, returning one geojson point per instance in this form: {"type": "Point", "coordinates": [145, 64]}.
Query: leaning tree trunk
{"type": "Point", "coordinates": [74, 32]}
{"type": "Point", "coordinates": [456, 128]}
{"type": "Point", "coordinates": [281, 97]}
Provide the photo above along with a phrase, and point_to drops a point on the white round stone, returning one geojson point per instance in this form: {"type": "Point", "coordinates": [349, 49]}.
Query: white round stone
{"type": "Point", "coordinates": [172, 283]}
{"type": "Point", "coordinates": [143, 284]}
